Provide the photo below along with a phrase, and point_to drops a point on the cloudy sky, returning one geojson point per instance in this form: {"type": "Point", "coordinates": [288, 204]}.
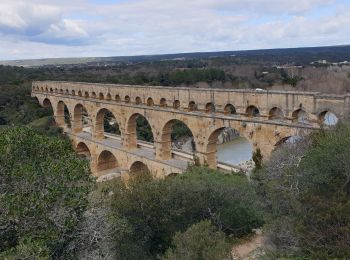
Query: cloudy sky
{"type": "Point", "coordinates": [78, 28]}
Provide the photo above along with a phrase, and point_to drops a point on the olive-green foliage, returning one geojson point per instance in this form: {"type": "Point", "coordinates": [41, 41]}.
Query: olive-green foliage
{"type": "Point", "coordinates": [43, 192]}
{"type": "Point", "coordinates": [308, 194]}
{"type": "Point", "coordinates": [148, 212]}
{"type": "Point", "coordinates": [257, 158]}
{"type": "Point", "coordinates": [17, 107]}
{"type": "Point", "coordinates": [46, 125]}
{"type": "Point", "coordinates": [180, 130]}
{"type": "Point", "coordinates": [144, 130]}
{"type": "Point", "coordinates": [110, 128]}
{"type": "Point", "coordinates": [191, 76]}
{"type": "Point", "coordinates": [200, 241]}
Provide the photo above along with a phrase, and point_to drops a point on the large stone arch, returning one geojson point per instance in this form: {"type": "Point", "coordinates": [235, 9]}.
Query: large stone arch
{"type": "Point", "coordinates": [83, 150]}
{"type": "Point", "coordinates": [99, 122]}
{"type": "Point", "coordinates": [60, 114]}
{"type": "Point", "coordinates": [106, 161]}
{"type": "Point", "coordinates": [323, 117]}
{"type": "Point", "coordinates": [163, 144]}
{"type": "Point", "coordinates": [211, 148]}
{"type": "Point", "coordinates": [47, 103]}
{"type": "Point", "coordinates": [138, 167]}
{"type": "Point", "coordinates": [130, 135]}
{"type": "Point", "coordinates": [256, 135]}
{"type": "Point", "coordinates": [78, 117]}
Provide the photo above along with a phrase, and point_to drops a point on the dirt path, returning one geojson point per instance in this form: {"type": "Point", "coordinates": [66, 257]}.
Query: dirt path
{"type": "Point", "coordinates": [248, 250]}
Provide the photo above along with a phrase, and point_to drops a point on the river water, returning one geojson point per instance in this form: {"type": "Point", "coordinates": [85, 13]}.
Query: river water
{"type": "Point", "coordinates": [235, 152]}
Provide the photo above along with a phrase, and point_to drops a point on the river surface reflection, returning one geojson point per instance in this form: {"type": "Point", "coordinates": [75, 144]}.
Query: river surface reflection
{"type": "Point", "coordinates": [235, 152]}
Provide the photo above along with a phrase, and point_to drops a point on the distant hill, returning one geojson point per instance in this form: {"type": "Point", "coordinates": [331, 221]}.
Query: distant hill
{"type": "Point", "coordinates": [301, 56]}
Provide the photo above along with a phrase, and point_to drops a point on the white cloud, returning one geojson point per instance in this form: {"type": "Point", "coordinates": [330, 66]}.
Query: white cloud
{"type": "Point", "coordinates": [87, 28]}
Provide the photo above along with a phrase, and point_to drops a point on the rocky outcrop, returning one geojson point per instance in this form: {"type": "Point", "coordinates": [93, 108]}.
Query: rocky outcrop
{"type": "Point", "coordinates": [187, 143]}
{"type": "Point", "coordinates": [227, 135]}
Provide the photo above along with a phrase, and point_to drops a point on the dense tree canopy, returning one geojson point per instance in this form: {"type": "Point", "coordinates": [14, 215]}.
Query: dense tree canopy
{"type": "Point", "coordinates": [307, 190]}
{"type": "Point", "coordinates": [43, 192]}
{"type": "Point", "coordinates": [200, 241]}
{"type": "Point", "coordinates": [149, 212]}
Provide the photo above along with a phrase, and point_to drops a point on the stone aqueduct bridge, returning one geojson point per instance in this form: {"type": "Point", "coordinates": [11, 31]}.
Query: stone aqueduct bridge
{"type": "Point", "coordinates": [265, 118]}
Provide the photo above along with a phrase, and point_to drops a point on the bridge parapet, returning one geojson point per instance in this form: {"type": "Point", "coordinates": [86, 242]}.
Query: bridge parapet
{"type": "Point", "coordinates": [203, 99]}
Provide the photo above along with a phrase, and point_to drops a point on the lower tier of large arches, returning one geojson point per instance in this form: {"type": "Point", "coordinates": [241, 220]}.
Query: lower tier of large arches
{"type": "Point", "coordinates": [109, 157]}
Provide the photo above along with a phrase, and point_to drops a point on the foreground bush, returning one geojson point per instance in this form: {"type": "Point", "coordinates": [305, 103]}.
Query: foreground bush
{"type": "Point", "coordinates": [43, 192]}
{"type": "Point", "coordinates": [307, 187]}
{"type": "Point", "coordinates": [200, 241]}
{"type": "Point", "coordinates": [148, 213]}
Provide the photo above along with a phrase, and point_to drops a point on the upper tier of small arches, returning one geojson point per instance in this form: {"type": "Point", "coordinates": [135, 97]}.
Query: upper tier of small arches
{"type": "Point", "coordinates": [275, 113]}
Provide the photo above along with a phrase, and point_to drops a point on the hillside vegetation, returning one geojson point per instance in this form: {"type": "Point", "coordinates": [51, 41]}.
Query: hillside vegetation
{"type": "Point", "coordinates": [44, 188]}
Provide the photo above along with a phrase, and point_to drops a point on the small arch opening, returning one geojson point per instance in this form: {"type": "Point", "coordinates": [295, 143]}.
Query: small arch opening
{"type": "Point", "coordinates": [86, 95]}
{"type": "Point", "coordinates": [176, 104]}
{"type": "Point", "coordinates": [300, 116]}
{"type": "Point", "coordinates": [101, 96]}
{"type": "Point", "coordinates": [163, 102]}
{"type": "Point", "coordinates": [117, 98]}
{"type": "Point", "coordinates": [276, 113]}
{"type": "Point", "coordinates": [93, 95]}
{"type": "Point", "coordinates": [150, 102]}
{"type": "Point", "coordinates": [192, 106]}
{"type": "Point", "coordinates": [252, 111]}
{"type": "Point", "coordinates": [138, 101]}
{"type": "Point", "coordinates": [209, 108]}
{"type": "Point", "coordinates": [127, 99]}
{"type": "Point", "coordinates": [73, 93]}
{"type": "Point", "coordinates": [79, 93]}
{"type": "Point", "coordinates": [109, 97]}
{"type": "Point", "coordinates": [229, 109]}
{"type": "Point", "coordinates": [51, 90]}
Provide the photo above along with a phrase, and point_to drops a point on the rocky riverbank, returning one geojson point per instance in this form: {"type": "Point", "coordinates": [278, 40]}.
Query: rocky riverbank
{"type": "Point", "coordinates": [186, 144]}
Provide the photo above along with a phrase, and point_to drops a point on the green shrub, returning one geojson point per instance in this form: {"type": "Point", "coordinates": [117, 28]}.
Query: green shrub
{"type": "Point", "coordinates": [307, 189]}
{"type": "Point", "coordinates": [153, 210]}
{"type": "Point", "coordinates": [43, 192]}
{"type": "Point", "coordinates": [200, 241]}
{"type": "Point", "coordinates": [258, 158]}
